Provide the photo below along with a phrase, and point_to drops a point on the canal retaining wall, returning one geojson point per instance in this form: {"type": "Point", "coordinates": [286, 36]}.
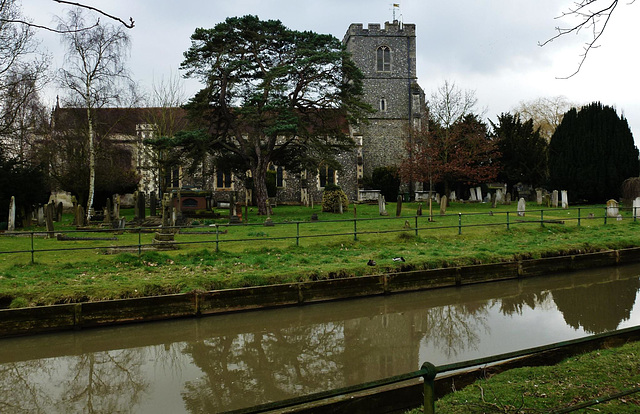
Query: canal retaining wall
{"type": "Point", "coordinates": [25, 321]}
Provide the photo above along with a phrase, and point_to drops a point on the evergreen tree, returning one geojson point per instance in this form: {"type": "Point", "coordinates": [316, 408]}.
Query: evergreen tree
{"type": "Point", "coordinates": [591, 153]}
{"type": "Point", "coordinates": [523, 151]}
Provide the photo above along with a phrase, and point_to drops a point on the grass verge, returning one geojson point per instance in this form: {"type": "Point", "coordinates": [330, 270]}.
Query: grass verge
{"type": "Point", "coordinates": [544, 389]}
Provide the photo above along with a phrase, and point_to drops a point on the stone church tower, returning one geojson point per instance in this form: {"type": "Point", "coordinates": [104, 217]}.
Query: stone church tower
{"type": "Point", "coordinates": [387, 58]}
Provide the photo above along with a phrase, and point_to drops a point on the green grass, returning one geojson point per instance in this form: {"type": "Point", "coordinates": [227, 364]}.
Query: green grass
{"type": "Point", "coordinates": [543, 389]}
{"type": "Point", "coordinates": [272, 255]}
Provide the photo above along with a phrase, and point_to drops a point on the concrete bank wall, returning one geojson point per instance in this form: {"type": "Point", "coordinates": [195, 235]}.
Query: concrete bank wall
{"type": "Point", "coordinates": [93, 314]}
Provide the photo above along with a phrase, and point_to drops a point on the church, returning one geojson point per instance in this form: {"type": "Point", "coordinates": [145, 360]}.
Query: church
{"type": "Point", "coordinates": [386, 55]}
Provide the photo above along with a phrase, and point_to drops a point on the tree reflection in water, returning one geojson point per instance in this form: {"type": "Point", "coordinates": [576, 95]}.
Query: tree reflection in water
{"type": "Point", "coordinates": [19, 393]}
{"type": "Point", "coordinates": [251, 368]}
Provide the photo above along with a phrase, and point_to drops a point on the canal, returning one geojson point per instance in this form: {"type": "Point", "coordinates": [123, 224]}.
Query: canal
{"type": "Point", "coordinates": [231, 361]}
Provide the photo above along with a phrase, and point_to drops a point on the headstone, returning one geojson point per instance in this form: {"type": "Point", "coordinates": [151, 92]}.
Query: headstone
{"type": "Point", "coordinates": [546, 200]}
{"type": "Point", "coordinates": [314, 217]}
{"type": "Point", "coordinates": [232, 205]}
{"type": "Point", "coordinates": [494, 200]}
{"type": "Point", "coordinates": [612, 208]}
{"type": "Point", "coordinates": [11, 224]}
{"type": "Point", "coordinates": [108, 211]}
{"type": "Point", "coordinates": [507, 199]}
{"type": "Point", "coordinates": [479, 193]}
{"type": "Point", "coordinates": [49, 213]}
{"type": "Point", "coordinates": [384, 207]}
{"type": "Point", "coordinates": [430, 209]}
{"type": "Point", "coordinates": [499, 196]}
{"type": "Point", "coordinates": [166, 201]}
{"type": "Point", "coordinates": [59, 208]}
{"type": "Point", "coordinates": [153, 203]}
{"type": "Point", "coordinates": [636, 207]}
{"type": "Point", "coordinates": [452, 196]}
{"type": "Point", "coordinates": [554, 198]}
{"type": "Point", "coordinates": [136, 206]}
{"type": "Point", "coordinates": [340, 207]}
{"type": "Point", "coordinates": [438, 198]}
{"type": "Point", "coordinates": [116, 206]}
{"type": "Point", "coordinates": [74, 202]}
{"type": "Point", "coordinates": [142, 206]}
{"type": "Point", "coordinates": [443, 205]}
{"type": "Point", "coordinates": [419, 211]}
{"type": "Point", "coordinates": [522, 205]}
{"type": "Point", "coordinates": [174, 216]}
{"type": "Point", "coordinates": [565, 199]}
{"type": "Point", "coordinates": [398, 206]}
{"type": "Point", "coordinates": [539, 196]}
{"type": "Point", "coordinates": [82, 219]}
{"type": "Point", "coordinates": [472, 194]}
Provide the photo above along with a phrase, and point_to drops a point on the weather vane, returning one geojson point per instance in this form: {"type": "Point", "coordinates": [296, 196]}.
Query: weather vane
{"type": "Point", "coordinates": [394, 7]}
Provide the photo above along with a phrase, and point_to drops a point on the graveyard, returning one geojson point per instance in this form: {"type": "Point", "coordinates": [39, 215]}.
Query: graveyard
{"type": "Point", "coordinates": [294, 247]}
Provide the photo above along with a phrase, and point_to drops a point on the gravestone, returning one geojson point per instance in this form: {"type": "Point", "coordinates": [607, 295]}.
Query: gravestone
{"type": "Point", "coordinates": [494, 200]}
{"type": "Point", "coordinates": [382, 208]}
{"type": "Point", "coordinates": [107, 212]}
{"type": "Point", "coordinates": [81, 217]}
{"type": "Point", "coordinates": [565, 199]}
{"type": "Point", "coordinates": [522, 205]}
{"type": "Point", "coordinates": [166, 201]}
{"type": "Point", "coordinates": [452, 196]}
{"type": "Point", "coordinates": [232, 206]}
{"type": "Point", "coordinates": [507, 199]}
{"type": "Point", "coordinates": [419, 211]}
{"type": "Point", "coordinates": [546, 200]}
{"type": "Point", "coordinates": [59, 208]}
{"type": "Point", "coordinates": [142, 206]}
{"type": "Point", "coordinates": [74, 202]}
{"type": "Point", "coordinates": [479, 194]}
{"type": "Point", "coordinates": [554, 198]}
{"type": "Point", "coordinates": [443, 205]}
{"type": "Point", "coordinates": [499, 196]}
{"type": "Point", "coordinates": [539, 196]}
{"type": "Point", "coordinates": [153, 204]}
{"type": "Point", "coordinates": [612, 208]}
{"type": "Point", "coordinates": [438, 198]}
{"type": "Point", "coordinates": [11, 224]}
{"type": "Point", "coordinates": [136, 206]}
{"type": "Point", "coordinates": [636, 207]}
{"type": "Point", "coordinates": [472, 194]}
{"type": "Point", "coordinates": [116, 206]}
{"type": "Point", "coordinates": [49, 213]}
{"type": "Point", "coordinates": [398, 206]}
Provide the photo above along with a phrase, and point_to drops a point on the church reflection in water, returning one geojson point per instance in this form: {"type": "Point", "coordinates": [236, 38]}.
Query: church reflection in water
{"type": "Point", "coordinates": [226, 362]}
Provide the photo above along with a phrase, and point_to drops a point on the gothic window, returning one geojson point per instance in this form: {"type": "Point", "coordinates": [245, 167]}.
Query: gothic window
{"type": "Point", "coordinates": [223, 178]}
{"type": "Point", "coordinates": [383, 104]}
{"type": "Point", "coordinates": [279, 175]}
{"type": "Point", "coordinates": [327, 176]}
{"type": "Point", "coordinates": [383, 59]}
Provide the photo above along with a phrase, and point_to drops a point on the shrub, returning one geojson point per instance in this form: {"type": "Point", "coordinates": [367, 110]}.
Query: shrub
{"type": "Point", "coordinates": [332, 197]}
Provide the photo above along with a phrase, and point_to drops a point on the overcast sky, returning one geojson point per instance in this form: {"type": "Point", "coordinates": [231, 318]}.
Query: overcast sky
{"type": "Point", "coordinates": [489, 46]}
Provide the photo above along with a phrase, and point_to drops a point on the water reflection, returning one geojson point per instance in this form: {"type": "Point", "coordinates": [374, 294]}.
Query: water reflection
{"type": "Point", "coordinates": [233, 361]}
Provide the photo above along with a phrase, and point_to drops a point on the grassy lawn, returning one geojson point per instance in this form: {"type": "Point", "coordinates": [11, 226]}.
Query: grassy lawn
{"type": "Point", "coordinates": [544, 389]}
{"type": "Point", "coordinates": [257, 255]}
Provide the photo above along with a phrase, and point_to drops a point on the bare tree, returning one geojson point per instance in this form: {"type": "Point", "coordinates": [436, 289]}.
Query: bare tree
{"type": "Point", "coordinates": [449, 104]}
{"type": "Point", "coordinates": [592, 15]}
{"type": "Point", "coordinates": [94, 73]}
{"type": "Point", "coordinates": [546, 113]}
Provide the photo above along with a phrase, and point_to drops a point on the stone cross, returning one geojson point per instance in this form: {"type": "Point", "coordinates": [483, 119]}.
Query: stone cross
{"type": "Point", "coordinates": [11, 224]}
{"type": "Point", "coordinates": [443, 205]}
{"type": "Point", "coordinates": [565, 199]}
{"type": "Point", "coordinates": [522, 205]}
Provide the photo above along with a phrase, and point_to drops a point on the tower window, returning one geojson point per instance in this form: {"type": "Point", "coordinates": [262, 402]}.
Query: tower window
{"type": "Point", "coordinates": [383, 104]}
{"type": "Point", "coordinates": [383, 59]}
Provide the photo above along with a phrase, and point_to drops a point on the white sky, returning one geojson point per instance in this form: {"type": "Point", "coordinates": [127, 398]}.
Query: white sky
{"type": "Point", "coordinates": [488, 46]}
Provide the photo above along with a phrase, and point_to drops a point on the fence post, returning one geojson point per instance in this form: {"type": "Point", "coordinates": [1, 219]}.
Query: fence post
{"type": "Point", "coordinates": [605, 215]}
{"type": "Point", "coordinates": [298, 233]}
{"type": "Point", "coordinates": [33, 260]}
{"type": "Point", "coordinates": [459, 224]}
{"type": "Point", "coordinates": [507, 220]}
{"type": "Point", "coordinates": [139, 241]}
{"type": "Point", "coordinates": [416, 226]}
{"type": "Point", "coordinates": [541, 218]}
{"type": "Point", "coordinates": [217, 239]}
{"type": "Point", "coordinates": [429, 387]}
{"type": "Point", "coordinates": [578, 216]}
{"type": "Point", "coordinates": [355, 229]}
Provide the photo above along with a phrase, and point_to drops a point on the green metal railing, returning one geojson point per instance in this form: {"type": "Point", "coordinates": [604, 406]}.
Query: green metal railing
{"type": "Point", "coordinates": [420, 224]}
{"type": "Point", "coordinates": [428, 373]}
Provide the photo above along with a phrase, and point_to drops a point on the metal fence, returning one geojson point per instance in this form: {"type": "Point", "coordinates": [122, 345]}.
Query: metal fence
{"type": "Point", "coordinates": [428, 373]}
{"type": "Point", "coordinates": [355, 228]}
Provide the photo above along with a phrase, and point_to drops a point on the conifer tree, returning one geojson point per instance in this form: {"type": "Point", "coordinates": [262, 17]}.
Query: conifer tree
{"type": "Point", "coordinates": [591, 153]}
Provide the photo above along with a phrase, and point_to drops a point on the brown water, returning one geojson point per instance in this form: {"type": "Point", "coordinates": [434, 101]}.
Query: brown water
{"type": "Point", "coordinates": [224, 362]}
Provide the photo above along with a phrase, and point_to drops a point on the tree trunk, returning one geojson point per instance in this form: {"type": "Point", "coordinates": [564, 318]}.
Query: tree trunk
{"type": "Point", "coordinates": [92, 166]}
{"type": "Point", "coordinates": [260, 190]}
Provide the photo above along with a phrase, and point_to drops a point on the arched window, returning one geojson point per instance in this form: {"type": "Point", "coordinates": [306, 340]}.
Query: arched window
{"type": "Point", "coordinates": [383, 104]}
{"type": "Point", "coordinates": [383, 59]}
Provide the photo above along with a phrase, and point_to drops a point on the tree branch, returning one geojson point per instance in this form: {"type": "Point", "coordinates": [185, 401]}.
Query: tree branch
{"type": "Point", "coordinates": [129, 25]}
{"type": "Point", "coordinates": [590, 20]}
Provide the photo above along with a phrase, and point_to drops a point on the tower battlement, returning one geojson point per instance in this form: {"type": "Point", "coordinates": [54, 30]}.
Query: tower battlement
{"type": "Point", "coordinates": [394, 28]}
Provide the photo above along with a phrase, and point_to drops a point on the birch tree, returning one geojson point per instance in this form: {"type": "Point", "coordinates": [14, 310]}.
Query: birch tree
{"type": "Point", "coordinates": [94, 73]}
